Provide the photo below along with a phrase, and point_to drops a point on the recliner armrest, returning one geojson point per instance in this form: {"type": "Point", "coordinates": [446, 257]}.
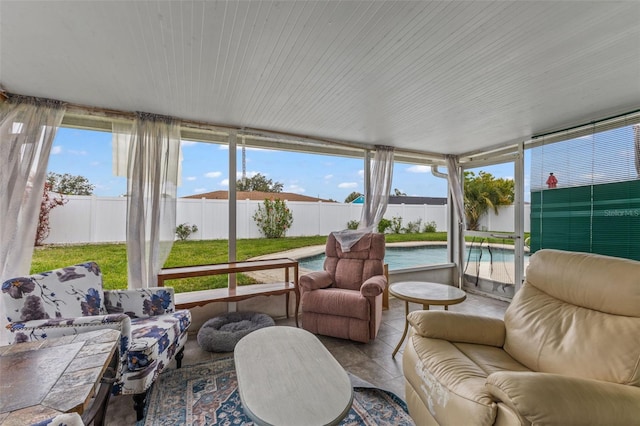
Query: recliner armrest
{"type": "Point", "coordinates": [545, 398]}
{"type": "Point", "coordinates": [457, 327]}
{"type": "Point", "coordinates": [316, 280]}
{"type": "Point", "coordinates": [373, 286]}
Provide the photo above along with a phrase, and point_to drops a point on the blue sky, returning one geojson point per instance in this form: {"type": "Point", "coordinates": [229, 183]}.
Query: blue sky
{"type": "Point", "coordinates": [204, 169]}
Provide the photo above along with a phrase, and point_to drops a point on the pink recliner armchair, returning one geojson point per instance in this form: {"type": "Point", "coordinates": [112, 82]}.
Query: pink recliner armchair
{"type": "Point", "coordinates": [345, 300]}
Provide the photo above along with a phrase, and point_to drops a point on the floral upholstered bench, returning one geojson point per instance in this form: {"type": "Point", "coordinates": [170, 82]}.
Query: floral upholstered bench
{"type": "Point", "coordinates": [71, 300]}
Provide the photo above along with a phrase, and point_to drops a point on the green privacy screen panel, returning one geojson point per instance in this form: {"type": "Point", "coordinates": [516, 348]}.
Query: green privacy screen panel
{"type": "Point", "coordinates": [602, 219]}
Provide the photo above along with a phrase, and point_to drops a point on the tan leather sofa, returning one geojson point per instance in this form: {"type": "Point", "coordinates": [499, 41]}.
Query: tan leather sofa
{"type": "Point", "coordinates": [567, 352]}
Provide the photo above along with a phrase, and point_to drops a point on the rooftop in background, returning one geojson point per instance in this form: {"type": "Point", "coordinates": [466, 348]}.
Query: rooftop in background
{"type": "Point", "coordinates": [259, 196]}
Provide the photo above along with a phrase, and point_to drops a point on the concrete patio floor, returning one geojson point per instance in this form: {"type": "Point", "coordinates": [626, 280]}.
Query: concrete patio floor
{"type": "Point", "coordinates": [371, 361]}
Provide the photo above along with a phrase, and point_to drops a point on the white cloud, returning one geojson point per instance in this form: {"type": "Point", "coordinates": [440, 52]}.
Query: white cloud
{"type": "Point", "coordinates": [347, 185]}
{"type": "Point", "coordinates": [419, 169]}
{"type": "Point", "coordinates": [295, 188]}
{"type": "Point", "coordinates": [224, 182]}
{"type": "Point", "coordinates": [327, 177]}
{"type": "Point", "coordinates": [187, 143]}
{"type": "Point", "coordinates": [361, 173]}
{"type": "Point", "coordinates": [75, 152]}
{"type": "Point", "coordinates": [56, 150]}
{"type": "Point", "coordinates": [94, 163]}
{"type": "Point", "coordinates": [190, 178]}
{"type": "Point", "coordinates": [213, 174]}
{"type": "Point", "coordinates": [198, 190]}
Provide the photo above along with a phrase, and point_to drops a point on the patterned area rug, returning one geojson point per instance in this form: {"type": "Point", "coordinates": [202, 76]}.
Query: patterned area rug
{"type": "Point", "coordinates": [207, 394]}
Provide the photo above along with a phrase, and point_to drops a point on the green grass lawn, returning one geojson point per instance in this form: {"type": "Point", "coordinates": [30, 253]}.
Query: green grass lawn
{"type": "Point", "coordinates": [112, 258]}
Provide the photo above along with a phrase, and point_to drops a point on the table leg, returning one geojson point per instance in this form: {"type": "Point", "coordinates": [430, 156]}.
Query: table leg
{"type": "Point", "coordinates": [296, 289]}
{"type": "Point", "coordinates": [404, 333]}
{"type": "Point", "coordinates": [287, 304]}
{"type": "Point", "coordinates": [286, 280]}
{"type": "Point", "coordinates": [297, 307]}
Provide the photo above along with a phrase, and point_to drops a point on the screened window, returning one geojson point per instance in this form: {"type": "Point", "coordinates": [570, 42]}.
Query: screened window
{"type": "Point", "coordinates": [591, 203]}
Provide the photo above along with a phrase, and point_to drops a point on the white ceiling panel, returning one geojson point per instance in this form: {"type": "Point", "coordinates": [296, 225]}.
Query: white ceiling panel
{"type": "Point", "coordinates": [432, 76]}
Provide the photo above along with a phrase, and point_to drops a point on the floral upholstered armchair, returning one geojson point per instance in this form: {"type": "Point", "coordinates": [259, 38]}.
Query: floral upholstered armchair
{"type": "Point", "coordinates": [71, 300]}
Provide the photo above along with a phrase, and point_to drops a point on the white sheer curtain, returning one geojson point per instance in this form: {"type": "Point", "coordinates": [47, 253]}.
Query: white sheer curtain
{"type": "Point", "coordinates": [152, 179]}
{"type": "Point", "coordinates": [457, 195]}
{"type": "Point", "coordinates": [375, 200]}
{"type": "Point", "coordinates": [27, 129]}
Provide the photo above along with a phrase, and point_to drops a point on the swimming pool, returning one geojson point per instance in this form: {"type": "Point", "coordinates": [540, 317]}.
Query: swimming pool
{"type": "Point", "coordinates": [410, 257]}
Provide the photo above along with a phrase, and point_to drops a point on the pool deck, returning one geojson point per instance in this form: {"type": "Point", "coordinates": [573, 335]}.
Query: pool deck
{"type": "Point", "coordinates": [299, 253]}
{"type": "Point", "coordinates": [494, 280]}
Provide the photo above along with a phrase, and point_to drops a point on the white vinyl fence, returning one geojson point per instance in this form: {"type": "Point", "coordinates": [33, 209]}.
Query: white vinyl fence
{"type": "Point", "coordinates": [103, 219]}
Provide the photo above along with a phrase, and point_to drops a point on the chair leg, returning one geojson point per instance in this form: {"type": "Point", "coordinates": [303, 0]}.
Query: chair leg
{"type": "Point", "coordinates": [179, 357]}
{"type": "Point", "coordinates": [139, 401]}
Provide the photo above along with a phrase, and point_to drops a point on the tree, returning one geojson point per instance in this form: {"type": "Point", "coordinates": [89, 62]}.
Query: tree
{"type": "Point", "coordinates": [184, 230]}
{"type": "Point", "coordinates": [484, 192]}
{"type": "Point", "coordinates": [68, 184]}
{"type": "Point", "coordinates": [48, 203]}
{"type": "Point", "coordinates": [399, 193]}
{"type": "Point", "coordinates": [352, 196]}
{"type": "Point", "coordinates": [260, 183]}
{"type": "Point", "coordinates": [274, 218]}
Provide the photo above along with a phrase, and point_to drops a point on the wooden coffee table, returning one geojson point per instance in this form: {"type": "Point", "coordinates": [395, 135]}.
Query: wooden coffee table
{"type": "Point", "coordinates": [287, 377]}
{"type": "Point", "coordinates": [427, 294]}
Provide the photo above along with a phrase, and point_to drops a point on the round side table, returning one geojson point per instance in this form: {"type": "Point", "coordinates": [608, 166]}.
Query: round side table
{"type": "Point", "coordinates": [425, 293]}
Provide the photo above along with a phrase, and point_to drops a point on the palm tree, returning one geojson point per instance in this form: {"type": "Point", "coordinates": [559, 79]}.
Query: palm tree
{"type": "Point", "coordinates": [484, 192]}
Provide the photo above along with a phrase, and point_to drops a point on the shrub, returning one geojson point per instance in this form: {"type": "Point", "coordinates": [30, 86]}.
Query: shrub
{"type": "Point", "coordinates": [413, 227]}
{"type": "Point", "coordinates": [396, 224]}
{"type": "Point", "coordinates": [184, 230]}
{"type": "Point", "coordinates": [353, 224]}
{"type": "Point", "coordinates": [48, 203]}
{"type": "Point", "coordinates": [430, 227]}
{"type": "Point", "coordinates": [383, 225]}
{"type": "Point", "coordinates": [274, 218]}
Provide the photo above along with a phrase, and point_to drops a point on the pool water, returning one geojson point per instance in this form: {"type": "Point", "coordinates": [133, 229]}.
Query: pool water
{"type": "Point", "coordinates": [410, 257]}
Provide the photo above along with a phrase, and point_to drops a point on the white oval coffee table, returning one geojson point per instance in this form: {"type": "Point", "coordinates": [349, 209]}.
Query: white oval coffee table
{"type": "Point", "coordinates": [287, 377]}
{"type": "Point", "coordinates": [425, 293]}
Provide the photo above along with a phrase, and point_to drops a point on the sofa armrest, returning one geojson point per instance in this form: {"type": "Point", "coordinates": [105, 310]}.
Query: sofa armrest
{"type": "Point", "coordinates": [544, 398]}
{"type": "Point", "coordinates": [456, 327]}
{"type": "Point", "coordinates": [140, 303]}
{"type": "Point", "coordinates": [58, 327]}
{"type": "Point", "coordinates": [374, 286]}
{"type": "Point", "coordinates": [315, 280]}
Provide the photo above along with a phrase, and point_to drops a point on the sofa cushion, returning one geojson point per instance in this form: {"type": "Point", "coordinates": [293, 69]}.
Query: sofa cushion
{"type": "Point", "coordinates": [341, 327]}
{"type": "Point", "coordinates": [69, 292]}
{"type": "Point", "coordinates": [154, 339]}
{"type": "Point", "coordinates": [364, 260]}
{"type": "Point", "coordinates": [596, 282]}
{"type": "Point", "coordinates": [450, 378]}
{"type": "Point", "coordinates": [337, 302]}
{"type": "Point", "coordinates": [551, 336]}
{"type": "Point", "coordinates": [578, 314]}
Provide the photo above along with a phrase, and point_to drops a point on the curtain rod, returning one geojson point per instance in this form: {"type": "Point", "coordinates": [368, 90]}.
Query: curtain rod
{"type": "Point", "coordinates": [591, 123]}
